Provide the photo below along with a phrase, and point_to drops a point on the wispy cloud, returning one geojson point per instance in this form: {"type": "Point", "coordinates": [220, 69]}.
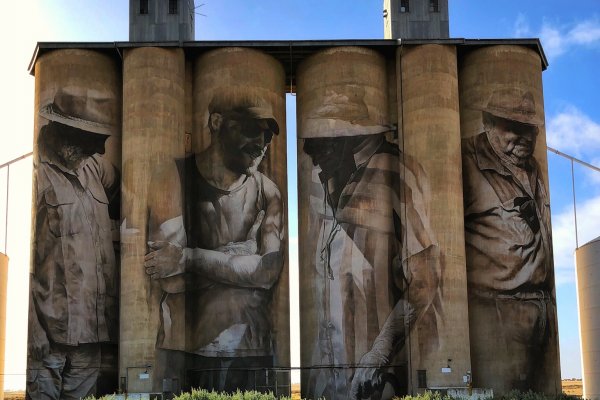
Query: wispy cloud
{"type": "Point", "coordinates": [574, 132]}
{"type": "Point", "coordinates": [558, 39]}
{"type": "Point", "coordinates": [563, 236]}
{"type": "Point", "coordinates": [522, 26]}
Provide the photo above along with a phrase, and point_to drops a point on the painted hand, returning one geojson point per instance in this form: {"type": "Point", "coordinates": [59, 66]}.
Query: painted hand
{"type": "Point", "coordinates": [38, 345]}
{"type": "Point", "coordinates": [367, 379]}
{"type": "Point", "coordinates": [166, 259]}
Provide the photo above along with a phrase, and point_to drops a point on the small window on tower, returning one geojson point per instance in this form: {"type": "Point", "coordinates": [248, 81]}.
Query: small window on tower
{"type": "Point", "coordinates": [172, 6]}
{"type": "Point", "coordinates": [404, 6]}
{"type": "Point", "coordinates": [434, 6]}
{"type": "Point", "coordinates": [143, 6]}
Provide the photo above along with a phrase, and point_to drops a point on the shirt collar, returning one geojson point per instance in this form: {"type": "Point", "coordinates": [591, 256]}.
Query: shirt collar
{"type": "Point", "coordinates": [366, 149]}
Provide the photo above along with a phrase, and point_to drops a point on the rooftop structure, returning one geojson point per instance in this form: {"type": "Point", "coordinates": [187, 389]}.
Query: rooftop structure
{"type": "Point", "coordinates": [415, 19]}
{"type": "Point", "coordinates": [161, 20]}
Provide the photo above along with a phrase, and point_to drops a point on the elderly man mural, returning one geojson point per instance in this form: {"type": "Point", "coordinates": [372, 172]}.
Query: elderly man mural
{"type": "Point", "coordinates": [218, 260]}
{"type": "Point", "coordinates": [374, 245]}
{"type": "Point", "coordinates": [73, 298]}
{"type": "Point", "coordinates": [512, 307]}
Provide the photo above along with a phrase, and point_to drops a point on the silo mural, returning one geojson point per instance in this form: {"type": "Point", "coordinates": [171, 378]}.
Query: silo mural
{"type": "Point", "coordinates": [216, 252]}
{"type": "Point", "coordinates": [364, 231]}
{"type": "Point", "coordinates": [74, 283]}
{"type": "Point", "coordinates": [512, 303]}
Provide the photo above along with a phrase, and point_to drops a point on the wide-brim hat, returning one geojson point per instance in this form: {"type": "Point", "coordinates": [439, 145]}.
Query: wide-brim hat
{"type": "Point", "coordinates": [85, 109]}
{"type": "Point", "coordinates": [242, 103]}
{"type": "Point", "coordinates": [342, 113]}
{"type": "Point", "coordinates": [513, 104]}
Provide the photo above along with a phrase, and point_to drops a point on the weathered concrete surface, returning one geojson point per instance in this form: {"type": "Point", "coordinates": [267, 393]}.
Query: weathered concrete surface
{"type": "Point", "coordinates": [251, 74]}
{"type": "Point", "coordinates": [482, 72]}
{"type": "Point", "coordinates": [431, 134]}
{"type": "Point", "coordinates": [587, 262]}
{"type": "Point", "coordinates": [95, 72]}
{"type": "Point", "coordinates": [3, 293]}
{"type": "Point", "coordinates": [153, 135]}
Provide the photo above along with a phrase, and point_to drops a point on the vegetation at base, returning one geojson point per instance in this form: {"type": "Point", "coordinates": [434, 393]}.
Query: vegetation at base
{"type": "Point", "coordinates": [107, 397]}
{"type": "Point", "coordinates": [201, 394]}
{"type": "Point", "coordinates": [512, 395]}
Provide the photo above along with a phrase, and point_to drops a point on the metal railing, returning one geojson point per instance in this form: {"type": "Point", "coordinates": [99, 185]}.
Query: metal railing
{"type": "Point", "coordinates": [6, 166]}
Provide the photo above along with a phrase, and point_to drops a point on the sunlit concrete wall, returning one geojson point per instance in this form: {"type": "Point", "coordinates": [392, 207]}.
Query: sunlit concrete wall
{"type": "Point", "coordinates": [3, 288]}
{"type": "Point", "coordinates": [510, 269]}
{"type": "Point", "coordinates": [587, 268]}
{"type": "Point", "coordinates": [431, 134]}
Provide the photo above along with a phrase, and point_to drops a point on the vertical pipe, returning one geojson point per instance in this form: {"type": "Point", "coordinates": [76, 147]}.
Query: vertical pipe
{"type": "Point", "coordinates": [153, 136]}
{"type": "Point", "coordinates": [6, 210]}
{"type": "Point", "coordinates": [431, 134]}
{"type": "Point", "coordinates": [574, 204]}
{"type": "Point", "coordinates": [505, 178]}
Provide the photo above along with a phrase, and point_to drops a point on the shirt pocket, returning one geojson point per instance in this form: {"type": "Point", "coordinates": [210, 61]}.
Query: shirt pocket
{"type": "Point", "coordinates": [520, 218]}
{"type": "Point", "coordinates": [100, 203]}
{"type": "Point", "coordinates": [63, 217]}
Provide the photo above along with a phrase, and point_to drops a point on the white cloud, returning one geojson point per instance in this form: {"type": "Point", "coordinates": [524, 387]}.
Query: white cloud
{"type": "Point", "coordinates": [563, 236]}
{"type": "Point", "coordinates": [586, 32]}
{"type": "Point", "coordinates": [553, 41]}
{"type": "Point", "coordinates": [522, 26]}
{"type": "Point", "coordinates": [573, 132]}
{"type": "Point", "coordinates": [558, 39]}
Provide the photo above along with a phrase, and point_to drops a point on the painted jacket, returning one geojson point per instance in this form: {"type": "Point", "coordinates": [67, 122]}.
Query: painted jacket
{"type": "Point", "coordinates": [74, 273]}
{"type": "Point", "coordinates": [507, 224]}
{"type": "Point", "coordinates": [379, 227]}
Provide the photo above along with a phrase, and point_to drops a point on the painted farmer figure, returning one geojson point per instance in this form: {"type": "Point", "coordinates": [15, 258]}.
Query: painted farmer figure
{"type": "Point", "coordinates": [218, 259]}
{"type": "Point", "coordinates": [374, 245]}
{"type": "Point", "coordinates": [512, 308]}
{"type": "Point", "coordinates": [73, 297]}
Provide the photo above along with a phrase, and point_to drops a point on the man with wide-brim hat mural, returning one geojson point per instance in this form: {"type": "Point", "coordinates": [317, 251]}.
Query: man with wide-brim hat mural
{"type": "Point", "coordinates": [374, 242]}
{"type": "Point", "coordinates": [73, 294]}
{"type": "Point", "coordinates": [512, 307]}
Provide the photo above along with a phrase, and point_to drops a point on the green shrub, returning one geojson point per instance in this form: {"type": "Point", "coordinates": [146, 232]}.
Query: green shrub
{"type": "Point", "coordinates": [428, 395]}
{"type": "Point", "coordinates": [202, 394]}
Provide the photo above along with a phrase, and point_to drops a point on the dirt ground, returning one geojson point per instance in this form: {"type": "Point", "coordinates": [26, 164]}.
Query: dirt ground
{"type": "Point", "coordinates": [573, 387]}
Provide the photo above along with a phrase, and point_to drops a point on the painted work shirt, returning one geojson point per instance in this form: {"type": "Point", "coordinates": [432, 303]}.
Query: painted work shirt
{"type": "Point", "coordinates": [507, 222]}
{"type": "Point", "coordinates": [220, 320]}
{"type": "Point", "coordinates": [363, 247]}
{"type": "Point", "coordinates": [74, 273]}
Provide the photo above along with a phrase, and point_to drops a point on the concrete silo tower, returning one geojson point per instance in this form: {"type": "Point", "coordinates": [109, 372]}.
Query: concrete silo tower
{"type": "Point", "coordinates": [587, 261]}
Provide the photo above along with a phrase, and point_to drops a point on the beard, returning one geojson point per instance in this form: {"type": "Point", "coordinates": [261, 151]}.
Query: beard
{"type": "Point", "coordinates": [244, 160]}
{"type": "Point", "coordinates": [71, 155]}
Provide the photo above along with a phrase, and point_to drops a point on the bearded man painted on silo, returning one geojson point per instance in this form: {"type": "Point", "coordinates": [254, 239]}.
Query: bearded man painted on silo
{"type": "Point", "coordinates": [374, 243]}
{"type": "Point", "coordinates": [73, 305]}
{"type": "Point", "coordinates": [512, 307]}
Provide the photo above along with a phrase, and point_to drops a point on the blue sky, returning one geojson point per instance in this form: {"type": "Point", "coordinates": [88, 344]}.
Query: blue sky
{"type": "Point", "coordinates": [570, 34]}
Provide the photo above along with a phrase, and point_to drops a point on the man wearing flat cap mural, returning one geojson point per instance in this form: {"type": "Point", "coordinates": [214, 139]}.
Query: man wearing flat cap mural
{"type": "Point", "coordinates": [512, 308]}
{"type": "Point", "coordinates": [73, 296]}
{"type": "Point", "coordinates": [217, 251]}
{"type": "Point", "coordinates": [374, 244]}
